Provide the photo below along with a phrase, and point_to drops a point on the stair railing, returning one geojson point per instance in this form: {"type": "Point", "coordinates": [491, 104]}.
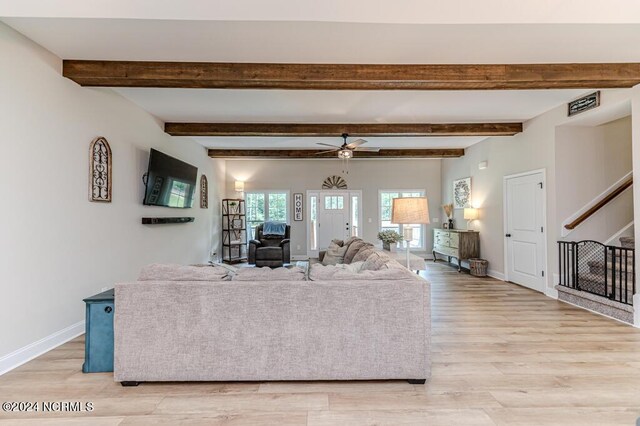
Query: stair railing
{"type": "Point", "coordinates": [600, 204]}
{"type": "Point", "coordinates": [592, 267]}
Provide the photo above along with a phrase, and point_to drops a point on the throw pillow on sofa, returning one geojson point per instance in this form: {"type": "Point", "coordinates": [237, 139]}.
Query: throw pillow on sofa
{"type": "Point", "coordinates": [169, 272]}
{"type": "Point", "coordinates": [375, 261]}
{"type": "Point", "coordinates": [334, 254]}
{"type": "Point", "coordinates": [353, 249]}
{"type": "Point", "coordinates": [364, 253]}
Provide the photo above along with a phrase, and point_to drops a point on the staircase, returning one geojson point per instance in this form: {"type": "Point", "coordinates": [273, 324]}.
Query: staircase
{"type": "Point", "coordinates": [598, 277]}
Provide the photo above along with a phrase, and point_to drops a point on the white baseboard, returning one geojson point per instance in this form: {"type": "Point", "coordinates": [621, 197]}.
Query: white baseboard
{"type": "Point", "coordinates": [495, 274]}
{"type": "Point", "coordinates": [552, 292]}
{"type": "Point", "coordinates": [35, 349]}
{"type": "Point", "coordinates": [614, 238]}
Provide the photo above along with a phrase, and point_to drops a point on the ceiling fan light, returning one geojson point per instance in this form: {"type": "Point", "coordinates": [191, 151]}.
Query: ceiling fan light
{"type": "Point", "coordinates": [345, 154]}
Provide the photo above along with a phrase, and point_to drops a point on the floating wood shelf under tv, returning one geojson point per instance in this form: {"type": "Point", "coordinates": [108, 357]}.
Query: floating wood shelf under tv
{"type": "Point", "coordinates": [165, 220]}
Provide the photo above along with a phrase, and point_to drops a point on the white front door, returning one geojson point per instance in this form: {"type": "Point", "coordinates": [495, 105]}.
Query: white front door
{"type": "Point", "coordinates": [524, 230]}
{"type": "Point", "coordinates": [333, 217]}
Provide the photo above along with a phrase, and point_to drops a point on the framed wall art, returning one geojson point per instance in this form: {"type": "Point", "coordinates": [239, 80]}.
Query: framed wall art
{"type": "Point", "coordinates": [100, 171]}
{"type": "Point", "coordinates": [462, 193]}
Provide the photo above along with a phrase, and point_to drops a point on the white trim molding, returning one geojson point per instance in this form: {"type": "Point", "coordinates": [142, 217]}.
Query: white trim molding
{"type": "Point", "coordinates": [27, 353]}
{"type": "Point", "coordinates": [564, 231]}
{"type": "Point", "coordinates": [496, 274]}
{"type": "Point", "coordinates": [617, 235]}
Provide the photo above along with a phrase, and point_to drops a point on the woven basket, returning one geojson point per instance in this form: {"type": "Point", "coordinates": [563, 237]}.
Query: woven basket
{"type": "Point", "coordinates": [478, 267]}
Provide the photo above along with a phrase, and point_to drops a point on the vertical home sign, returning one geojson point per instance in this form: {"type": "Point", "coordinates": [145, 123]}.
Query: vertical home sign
{"type": "Point", "coordinates": [297, 207]}
{"type": "Point", "coordinates": [100, 171]}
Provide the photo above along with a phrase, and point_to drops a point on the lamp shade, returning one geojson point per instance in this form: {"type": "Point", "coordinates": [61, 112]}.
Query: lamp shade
{"type": "Point", "coordinates": [239, 186]}
{"type": "Point", "coordinates": [470, 214]}
{"type": "Point", "coordinates": [410, 210]}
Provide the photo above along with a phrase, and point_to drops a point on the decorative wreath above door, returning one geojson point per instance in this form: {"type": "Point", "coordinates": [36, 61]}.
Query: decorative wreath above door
{"type": "Point", "coordinates": [336, 182]}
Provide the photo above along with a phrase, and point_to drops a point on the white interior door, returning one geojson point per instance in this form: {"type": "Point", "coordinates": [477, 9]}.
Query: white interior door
{"type": "Point", "coordinates": [524, 230]}
{"type": "Point", "coordinates": [333, 217]}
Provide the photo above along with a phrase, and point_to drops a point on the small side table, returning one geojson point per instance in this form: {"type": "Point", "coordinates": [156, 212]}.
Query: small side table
{"type": "Point", "coordinates": [98, 349]}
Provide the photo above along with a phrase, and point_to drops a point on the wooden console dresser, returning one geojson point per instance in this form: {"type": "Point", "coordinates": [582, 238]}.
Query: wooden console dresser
{"type": "Point", "coordinates": [456, 243]}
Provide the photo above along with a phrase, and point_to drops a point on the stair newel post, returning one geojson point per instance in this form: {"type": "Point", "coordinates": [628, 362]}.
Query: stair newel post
{"type": "Point", "coordinates": [633, 273]}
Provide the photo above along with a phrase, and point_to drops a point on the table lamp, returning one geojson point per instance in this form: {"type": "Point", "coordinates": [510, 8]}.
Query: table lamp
{"type": "Point", "coordinates": [469, 215]}
{"type": "Point", "coordinates": [409, 211]}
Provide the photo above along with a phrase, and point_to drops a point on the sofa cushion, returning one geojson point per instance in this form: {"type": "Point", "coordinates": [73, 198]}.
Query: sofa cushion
{"type": "Point", "coordinates": [170, 272]}
{"type": "Point", "coordinates": [320, 272]}
{"type": "Point", "coordinates": [334, 254]}
{"type": "Point", "coordinates": [376, 261]}
{"type": "Point", "coordinates": [354, 267]}
{"type": "Point", "coordinates": [269, 274]}
{"type": "Point", "coordinates": [269, 253]}
{"type": "Point", "coordinates": [363, 253]}
{"type": "Point", "coordinates": [353, 249]}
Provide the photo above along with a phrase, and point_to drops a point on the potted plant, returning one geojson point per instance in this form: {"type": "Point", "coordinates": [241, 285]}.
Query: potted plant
{"type": "Point", "coordinates": [389, 239]}
{"type": "Point", "coordinates": [233, 207]}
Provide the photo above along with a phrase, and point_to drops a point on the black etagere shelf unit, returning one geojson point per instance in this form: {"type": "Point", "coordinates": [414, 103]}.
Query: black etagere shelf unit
{"type": "Point", "coordinates": [234, 231]}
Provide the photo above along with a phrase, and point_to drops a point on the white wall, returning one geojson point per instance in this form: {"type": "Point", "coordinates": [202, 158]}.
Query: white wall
{"type": "Point", "coordinates": [589, 160]}
{"type": "Point", "coordinates": [366, 175]}
{"type": "Point", "coordinates": [534, 148]}
{"type": "Point", "coordinates": [57, 247]}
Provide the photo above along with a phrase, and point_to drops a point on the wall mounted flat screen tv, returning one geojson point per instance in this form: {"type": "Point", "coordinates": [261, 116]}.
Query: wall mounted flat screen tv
{"type": "Point", "coordinates": [170, 182]}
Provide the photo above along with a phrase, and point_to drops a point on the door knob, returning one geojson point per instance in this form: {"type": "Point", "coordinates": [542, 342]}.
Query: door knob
{"type": "Point", "coordinates": [508, 235]}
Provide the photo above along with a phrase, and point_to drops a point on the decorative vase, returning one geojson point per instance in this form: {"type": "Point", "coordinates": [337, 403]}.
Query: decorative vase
{"type": "Point", "coordinates": [451, 224]}
{"type": "Point", "coordinates": [389, 246]}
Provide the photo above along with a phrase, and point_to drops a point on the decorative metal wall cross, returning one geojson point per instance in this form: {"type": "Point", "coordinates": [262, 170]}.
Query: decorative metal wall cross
{"type": "Point", "coordinates": [100, 170]}
{"type": "Point", "coordinates": [204, 192]}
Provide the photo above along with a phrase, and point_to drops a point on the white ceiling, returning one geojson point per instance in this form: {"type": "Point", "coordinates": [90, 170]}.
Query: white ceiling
{"type": "Point", "coordinates": [317, 42]}
{"type": "Point", "coordinates": [311, 142]}
{"type": "Point", "coordinates": [330, 42]}
{"type": "Point", "coordinates": [286, 106]}
{"type": "Point", "coordinates": [373, 11]}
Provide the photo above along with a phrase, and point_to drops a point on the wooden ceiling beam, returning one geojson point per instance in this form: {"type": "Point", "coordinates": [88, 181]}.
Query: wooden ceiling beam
{"type": "Point", "coordinates": [335, 130]}
{"type": "Point", "coordinates": [313, 153]}
{"type": "Point", "coordinates": [217, 75]}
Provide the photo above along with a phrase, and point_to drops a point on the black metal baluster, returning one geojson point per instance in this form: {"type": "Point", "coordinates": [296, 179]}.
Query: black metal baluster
{"type": "Point", "coordinates": [606, 273]}
{"type": "Point", "coordinates": [613, 275]}
{"type": "Point", "coordinates": [576, 267]}
{"type": "Point", "coordinates": [626, 274]}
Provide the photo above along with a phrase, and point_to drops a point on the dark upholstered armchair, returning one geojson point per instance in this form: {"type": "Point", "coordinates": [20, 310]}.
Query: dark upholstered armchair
{"type": "Point", "coordinates": [270, 250]}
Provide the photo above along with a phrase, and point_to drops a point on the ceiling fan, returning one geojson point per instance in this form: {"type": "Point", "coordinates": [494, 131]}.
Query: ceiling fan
{"type": "Point", "coordinates": [345, 151]}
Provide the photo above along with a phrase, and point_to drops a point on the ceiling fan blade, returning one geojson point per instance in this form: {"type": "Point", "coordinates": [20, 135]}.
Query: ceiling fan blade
{"type": "Point", "coordinates": [327, 144]}
{"type": "Point", "coordinates": [356, 143]}
{"type": "Point", "coordinates": [326, 152]}
{"type": "Point", "coordinates": [365, 149]}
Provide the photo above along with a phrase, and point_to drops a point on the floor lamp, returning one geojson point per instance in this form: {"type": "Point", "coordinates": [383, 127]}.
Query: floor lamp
{"type": "Point", "coordinates": [409, 211]}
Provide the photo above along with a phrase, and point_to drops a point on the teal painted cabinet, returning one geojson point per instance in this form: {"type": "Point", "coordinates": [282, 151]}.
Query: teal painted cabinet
{"type": "Point", "coordinates": [98, 351]}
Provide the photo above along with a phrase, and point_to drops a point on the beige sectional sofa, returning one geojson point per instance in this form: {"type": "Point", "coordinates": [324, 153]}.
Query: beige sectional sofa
{"type": "Point", "coordinates": [208, 324]}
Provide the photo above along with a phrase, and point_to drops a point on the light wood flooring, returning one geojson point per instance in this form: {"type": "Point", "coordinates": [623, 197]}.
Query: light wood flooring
{"type": "Point", "coordinates": [502, 354]}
